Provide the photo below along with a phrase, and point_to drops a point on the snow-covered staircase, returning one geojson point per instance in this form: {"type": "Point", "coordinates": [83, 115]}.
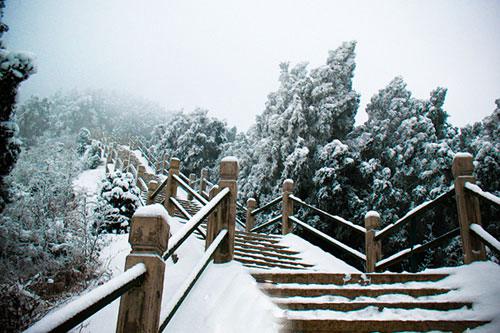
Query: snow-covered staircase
{"type": "Point", "coordinates": [331, 302]}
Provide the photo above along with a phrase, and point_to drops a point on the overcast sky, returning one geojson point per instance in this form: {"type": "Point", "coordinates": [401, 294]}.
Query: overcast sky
{"type": "Point", "coordinates": [224, 55]}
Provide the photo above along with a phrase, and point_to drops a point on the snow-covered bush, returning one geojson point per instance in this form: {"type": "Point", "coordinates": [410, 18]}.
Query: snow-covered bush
{"type": "Point", "coordinates": [117, 202]}
{"type": "Point", "coordinates": [47, 244]}
{"type": "Point", "coordinates": [92, 156]}
{"type": "Point", "coordinates": [83, 140]}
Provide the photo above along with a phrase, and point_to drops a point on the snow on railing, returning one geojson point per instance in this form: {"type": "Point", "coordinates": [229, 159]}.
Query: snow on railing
{"type": "Point", "coordinates": [389, 229]}
{"type": "Point", "coordinates": [85, 306]}
{"type": "Point", "coordinates": [483, 194]}
{"type": "Point", "coordinates": [349, 250]}
{"type": "Point", "coordinates": [178, 238]}
{"type": "Point", "coordinates": [268, 223]}
{"type": "Point", "coordinates": [190, 190]}
{"type": "Point", "coordinates": [336, 218]}
{"type": "Point", "coordinates": [486, 237]}
{"type": "Point", "coordinates": [266, 206]}
{"type": "Point", "coordinates": [187, 215]}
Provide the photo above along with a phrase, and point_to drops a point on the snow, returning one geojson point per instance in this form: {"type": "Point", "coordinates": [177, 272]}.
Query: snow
{"type": "Point", "coordinates": [190, 225]}
{"type": "Point", "coordinates": [153, 210]}
{"type": "Point", "coordinates": [55, 318]}
{"type": "Point", "coordinates": [143, 161]}
{"type": "Point", "coordinates": [485, 235]}
{"type": "Point", "coordinates": [476, 282]}
{"type": "Point", "coordinates": [372, 213]}
{"type": "Point", "coordinates": [487, 195]}
{"type": "Point", "coordinates": [89, 180]}
{"type": "Point", "coordinates": [311, 254]}
{"type": "Point", "coordinates": [222, 300]}
{"type": "Point", "coordinates": [230, 159]}
{"type": "Point", "coordinates": [463, 155]}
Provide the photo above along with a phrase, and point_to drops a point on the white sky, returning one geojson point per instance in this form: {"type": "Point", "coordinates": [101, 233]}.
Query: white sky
{"type": "Point", "coordinates": [224, 55]}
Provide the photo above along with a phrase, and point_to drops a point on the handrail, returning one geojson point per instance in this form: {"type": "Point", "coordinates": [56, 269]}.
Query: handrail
{"type": "Point", "coordinates": [359, 229]}
{"type": "Point", "coordinates": [268, 223]}
{"type": "Point", "coordinates": [178, 238]}
{"type": "Point", "coordinates": [241, 206]}
{"type": "Point", "coordinates": [188, 188]}
{"type": "Point", "coordinates": [208, 182]}
{"type": "Point", "coordinates": [159, 188]}
{"type": "Point", "coordinates": [478, 192]}
{"type": "Point", "coordinates": [132, 168]}
{"type": "Point", "coordinates": [240, 223]}
{"type": "Point", "coordinates": [266, 206]}
{"type": "Point", "coordinates": [186, 214]}
{"type": "Point", "coordinates": [184, 177]}
{"type": "Point", "coordinates": [403, 254]}
{"type": "Point", "coordinates": [354, 253]}
{"type": "Point", "coordinates": [75, 312]}
{"type": "Point", "coordinates": [184, 290]}
{"type": "Point", "coordinates": [142, 184]}
{"type": "Point", "coordinates": [389, 229]}
{"type": "Point", "coordinates": [486, 237]}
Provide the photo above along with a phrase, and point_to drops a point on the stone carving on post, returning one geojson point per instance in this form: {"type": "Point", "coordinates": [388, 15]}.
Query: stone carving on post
{"type": "Point", "coordinates": [373, 249]}
{"type": "Point", "coordinates": [152, 186]}
{"type": "Point", "coordinates": [140, 306]}
{"type": "Point", "coordinates": [286, 224]}
{"type": "Point", "coordinates": [192, 180]}
{"type": "Point", "coordinates": [468, 208]}
{"type": "Point", "coordinates": [229, 170]}
{"type": "Point", "coordinates": [171, 187]}
{"type": "Point", "coordinates": [250, 219]}
{"type": "Point", "coordinates": [213, 219]}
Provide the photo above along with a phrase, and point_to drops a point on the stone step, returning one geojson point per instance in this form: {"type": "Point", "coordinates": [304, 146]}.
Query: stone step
{"type": "Point", "coordinates": [362, 326]}
{"type": "Point", "coordinates": [262, 240]}
{"type": "Point", "coordinates": [268, 259]}
{"type": "Point", "coordinates": [285, 265]}
{"type": "Point", "coordinates": [274, 254]}
{"type": "Point", "coordinates": [351, 306]}
{"type": "Point", "coordinates": [256, 243]}
{"type": "Point", "coordinates": [256, 234]}
{"type": "Point", "coordinates": [341, 279]}
{"type": "Point", "coordinates": [280, 291]}
{"type": "Point", "coordinates": [244, 246]}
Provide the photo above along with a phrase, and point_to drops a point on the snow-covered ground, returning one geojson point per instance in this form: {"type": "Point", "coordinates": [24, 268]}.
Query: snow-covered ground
{"type": "Point", "coordinates": [226, 296]}
{"type": "Point", "coordinates": [88, 181]}
{"type": "Point", "coordinates": [222, 300]}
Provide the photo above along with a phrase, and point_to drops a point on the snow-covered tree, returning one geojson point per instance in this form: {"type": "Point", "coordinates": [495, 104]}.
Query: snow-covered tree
{"type": "Point", "coordinates": [195, 138]}
{"type": "Point", "coordinates": [15, 67]}
{"type": "Point", "coordinates": [92, 156]}
{"type": "Point", "coordinates": [83, 140]}
{"type": "Point", "coordinates": [117, 202]}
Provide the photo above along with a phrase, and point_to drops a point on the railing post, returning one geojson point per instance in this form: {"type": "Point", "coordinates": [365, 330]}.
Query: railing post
{"type": "Point", "coordinates": [229, 170]}
{"type": "Point", "coordinates": [192, 180]}
{"type": "Point", "coordinates": [152, 186]}
{"type": "Point", "coordinates": [171, 187]}
{"type": "Point", "coordinates": [213, 219]}
{"type": "Point", "coordinates": [467, 207]}
{"type": "Point", "coordinates": [141, 170]}
{"type": "Point", "coordinates": [158, 167]}
{"type": "Point", "coordinates": [163, 164]}
{"type": "Point", "coordinates": [373, 248]}
{"type": "Point", "coordinates": [250, 219]}
{"type": "Point", "coordinates": [203, 183]}
{"type": "Point", "coordinates": [287, 204]}
{"type": "Point", "coordinates": [140, 307]}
